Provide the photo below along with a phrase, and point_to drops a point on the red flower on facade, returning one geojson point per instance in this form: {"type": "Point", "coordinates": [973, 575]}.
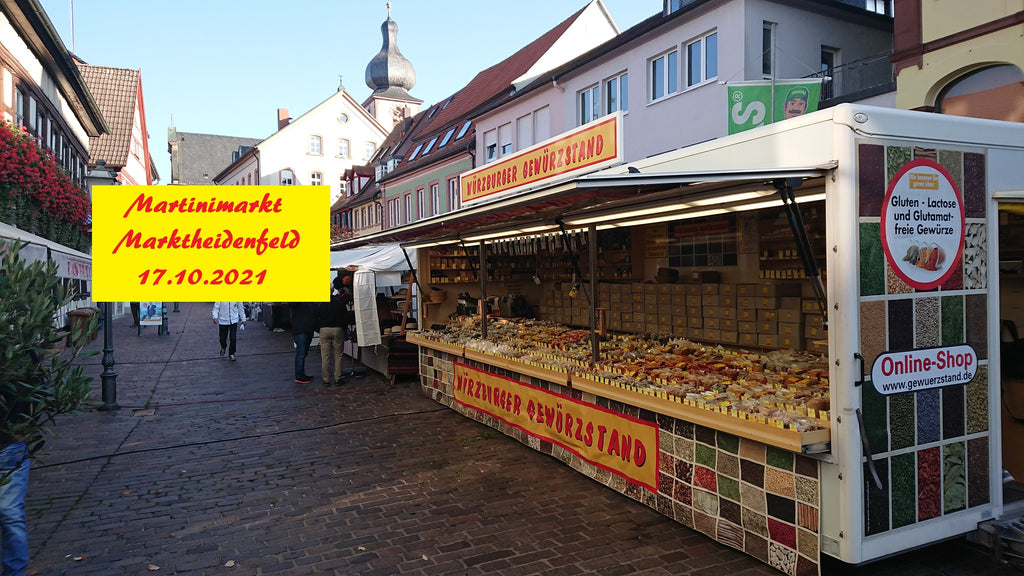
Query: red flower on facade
{"type": "Point", "coordinates": [31, 179]}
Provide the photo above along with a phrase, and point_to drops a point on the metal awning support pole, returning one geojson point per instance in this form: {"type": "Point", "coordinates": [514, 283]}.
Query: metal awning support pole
{"type": "Point", "coordinates": [595, 344]}
{"type": "Point", "coordinates": [465, 250]}
{"type": "Point", "coordinates": [484, 309]}
{"type": "Point", "coordinates": [803, 244]}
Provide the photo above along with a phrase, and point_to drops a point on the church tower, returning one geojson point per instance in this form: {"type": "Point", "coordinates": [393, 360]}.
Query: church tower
{"type": "Point", "coordinates": [390, 75]}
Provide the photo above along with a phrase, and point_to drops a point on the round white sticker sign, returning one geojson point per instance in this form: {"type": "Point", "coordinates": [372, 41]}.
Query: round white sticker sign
{"type": "Point", "coordinates": [923, 224]}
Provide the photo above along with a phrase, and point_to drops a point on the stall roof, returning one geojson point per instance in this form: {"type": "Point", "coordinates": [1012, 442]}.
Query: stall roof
{"type": "Point", "coordinates": [615, 193]}
{"type": "Point", "coordinates": [8, 231]}
{"type": "Point", "coordinates": [387, 261]}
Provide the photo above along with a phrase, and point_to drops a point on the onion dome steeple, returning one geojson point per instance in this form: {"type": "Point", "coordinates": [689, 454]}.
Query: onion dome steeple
{"type": "Point", "coordinates": [389, 73]}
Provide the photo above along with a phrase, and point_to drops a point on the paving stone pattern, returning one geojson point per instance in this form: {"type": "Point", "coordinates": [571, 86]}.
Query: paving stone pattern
{"type": "Point", "coordinates": [213, 467]}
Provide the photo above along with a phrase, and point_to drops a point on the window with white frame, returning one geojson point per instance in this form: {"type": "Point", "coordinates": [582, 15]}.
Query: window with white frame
{"type": "Point", "coordinates": [393, 212]}
{"type": "Point", "coordinates": [435, 199]}
{"type": "Point", "coordinates": [287, 177]}
{"type": "Point", "coordinates": [524, 131]}
{"type": "Point", "coordinates": [421, 204]}
{"type": "Point", "coordinates": [342, 185]}
{"type": "Point", "coordinates": [408, 208]}
{"type": "Point", "coordinates": [316, 178]}
{"type": "Point", "coordinates": [541, 124]}
{"type": "Point", "coordinates": [664, 76]}
{"type": "Point", "coordinates": [490, 145]}
{"type": "Point", "coordinates": [702, 59]}
{"type": "Point", "coordinates": [368, 149]}
{"type": "Point", "coordinates": [505, 139]}
{"type": "Point", "coordinates": [589, 104]}
{"type": "Point", "coordinates": [616, 91]}
{"type": "Point", "coordinates": [767, 48]}
{"type": "Point", "coordinates": [343, 148]}
{"type": "Point", "coordinates": [454, 195]}
{"type": "Point", "coordinates": [315, 144]}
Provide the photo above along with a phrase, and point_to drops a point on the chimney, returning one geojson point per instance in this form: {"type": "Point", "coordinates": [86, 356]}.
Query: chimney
{"type": "Point", "coordinates": [283, 119]}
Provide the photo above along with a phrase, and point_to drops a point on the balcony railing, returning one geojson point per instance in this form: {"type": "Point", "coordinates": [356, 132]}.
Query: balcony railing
{"type": "Point", "coordinates": [856, 80]}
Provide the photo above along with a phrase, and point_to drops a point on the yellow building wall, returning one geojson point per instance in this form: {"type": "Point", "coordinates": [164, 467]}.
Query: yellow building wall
{"type": "Point", "coordinates": [920, 87]}
{"type": "Point", "coordinates": [941, 18]}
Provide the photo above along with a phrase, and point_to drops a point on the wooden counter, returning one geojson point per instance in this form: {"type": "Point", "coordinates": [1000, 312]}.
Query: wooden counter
{"type": "Point", "coordinates": [786, 438]}
{"type": "Point", "coordinates": [792, 440]}
{"type": "Point", "coordinates": [414, 338]}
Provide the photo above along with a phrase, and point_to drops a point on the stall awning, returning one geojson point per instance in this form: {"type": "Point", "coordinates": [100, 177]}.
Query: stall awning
{"type": "Point", "coordinates": [615, 196]}
{"type": "Point", "coordinates": [70, 262]}
{"type": "Point", "coordinates": [387, 261]}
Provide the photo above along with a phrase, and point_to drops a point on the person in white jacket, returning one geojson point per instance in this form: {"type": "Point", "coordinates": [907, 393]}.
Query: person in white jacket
{"type": "Point", "coordinates": [228, 315]}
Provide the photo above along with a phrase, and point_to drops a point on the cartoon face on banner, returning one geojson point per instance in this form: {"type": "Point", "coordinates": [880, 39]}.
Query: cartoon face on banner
{"type": "Point", "coordinates": [923, 224]}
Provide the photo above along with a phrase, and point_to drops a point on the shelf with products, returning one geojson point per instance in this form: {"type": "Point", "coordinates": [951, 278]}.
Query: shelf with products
{"type": "Point", "coordinates": [780, 398]}
{"type": "Point", "coordinates": [778, 252]}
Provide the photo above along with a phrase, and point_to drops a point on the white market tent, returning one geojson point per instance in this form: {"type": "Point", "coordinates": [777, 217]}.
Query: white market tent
{"type": "Point", "coordinates": [386, 261]}
{"type": "Point", "coordinates": [71, 264]}
{"type": "Point", "coordinates": [376, 266]}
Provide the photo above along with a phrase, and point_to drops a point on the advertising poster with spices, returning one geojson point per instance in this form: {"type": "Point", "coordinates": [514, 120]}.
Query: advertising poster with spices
{"type": "Point", "coordinates": [923, 237]}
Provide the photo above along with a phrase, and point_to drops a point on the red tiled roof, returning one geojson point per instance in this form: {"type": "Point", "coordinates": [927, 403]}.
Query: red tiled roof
{"type": "Point", "coordinates": [115, 91]}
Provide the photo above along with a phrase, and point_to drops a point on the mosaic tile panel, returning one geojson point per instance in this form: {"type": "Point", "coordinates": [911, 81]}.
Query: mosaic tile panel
{"type": "Point", "coordinates": [876, 498]}
{"type": "Point", "coordinates": [954, 477]}
{"type": "Point", "coordinates": [977, 472]}
{"type": "Point", "coordinates": [929, 425]}
{"type": "Point", "coordinates": [904, 509]}
{"type": "Point", "coordinates": [931, 447]}
{"type": "Point", "coordinates": [977, 402]}
{"type": "Point", "coordinates": [975, 258]}
{"type": "Point", "coordinates": [871, 179]}
{"type": "Point", "coordinates": [901, 324]}
{"type": "Point", "coordinates": [953, 162]}
{"type": "Point", "coordinates": [952, 310]}
{"type": "Point", "coordinates": [929, 483]}
{"type": "Point", "coordinates": [747, 495]}
{"type": "Point", "coordinates": [974, 185]}
{"type": "Point", "coordinates": [927, 323]}
{"type": "Point", "coordinates": [872, 260]}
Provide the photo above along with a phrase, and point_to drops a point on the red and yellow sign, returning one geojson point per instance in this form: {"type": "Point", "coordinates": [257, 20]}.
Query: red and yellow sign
{"type": "Point", "coordinates": [622, 445]}
{"type": "Point", "coordinates": [588, 147]}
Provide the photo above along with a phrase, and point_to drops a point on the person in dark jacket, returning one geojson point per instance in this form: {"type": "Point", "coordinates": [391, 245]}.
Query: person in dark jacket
{"type": "Point", "coordinates": [332, 317]}
{"type": "Point", "coordinates": [303, 324]}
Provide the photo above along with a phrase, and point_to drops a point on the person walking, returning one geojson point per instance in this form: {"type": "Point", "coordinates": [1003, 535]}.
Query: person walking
{"type": "Point", "coordinates": [228, 316]}
{"type": "Point", "coordinates": [332, 318]}
{"type": "Point", "coordinates": [303, 324]}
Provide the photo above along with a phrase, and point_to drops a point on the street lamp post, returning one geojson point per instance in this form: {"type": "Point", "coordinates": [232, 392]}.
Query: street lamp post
{"type": "Point", "coordinates": [97, 176]}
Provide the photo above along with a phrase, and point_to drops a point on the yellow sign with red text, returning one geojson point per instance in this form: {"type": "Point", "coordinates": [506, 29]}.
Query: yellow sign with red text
{"type": "Point", "coordinates": [207, 243]}
{"type": "Point", "coordinates": [622, 445]}
{"type": "Point", "coordinates": [591, 146]}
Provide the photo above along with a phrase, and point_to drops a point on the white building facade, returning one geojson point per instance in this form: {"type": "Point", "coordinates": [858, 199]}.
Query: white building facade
{"type": "Point", "coordinates": [313, 149]}
{"type": "Point", "coordinates": [670, 75]}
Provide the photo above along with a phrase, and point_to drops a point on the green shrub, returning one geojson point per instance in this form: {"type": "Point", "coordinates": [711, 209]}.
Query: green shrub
{"type": "Point", "coordinates": [38, 380]}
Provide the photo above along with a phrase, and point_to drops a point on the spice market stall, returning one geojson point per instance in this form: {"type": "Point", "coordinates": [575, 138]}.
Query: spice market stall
{"type": "Point", "coordinates": [820, 376]}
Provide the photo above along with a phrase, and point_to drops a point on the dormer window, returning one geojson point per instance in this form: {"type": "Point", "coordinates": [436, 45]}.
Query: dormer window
{"type": "Point", "coordinates": [446, 138]}
{"type": "Point", "coordinates": [430, 146]}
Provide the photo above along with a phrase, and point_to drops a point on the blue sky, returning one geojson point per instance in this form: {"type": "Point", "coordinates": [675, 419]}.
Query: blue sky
{"type": "Point", "coordinates": [225, 67]}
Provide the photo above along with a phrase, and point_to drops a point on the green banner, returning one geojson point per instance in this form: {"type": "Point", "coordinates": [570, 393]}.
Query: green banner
{"type": "Point", "coordinates": [750, 102]}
